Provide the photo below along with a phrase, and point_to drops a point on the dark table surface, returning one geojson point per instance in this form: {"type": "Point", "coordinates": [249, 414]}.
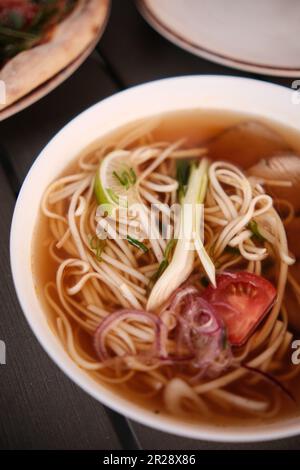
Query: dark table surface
{"type": "Point", "coordinates": [40, 408]}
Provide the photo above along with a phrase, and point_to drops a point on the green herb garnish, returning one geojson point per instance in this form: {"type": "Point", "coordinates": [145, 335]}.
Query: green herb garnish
{"type": "Point", "coordinates": [132, 175]}
{"type": "Point", "coordinates": [253, 227]}
{"type": "Point", "coordinates": [97, 246]}
{"type": "Point", "coordinates": [163, 264]}
{"type": "Point", "coordinates": [154, 278]}
{"type": "Point", "coordinates": [182, 175]}
{"type": "Point", "coordinates": [127, 178]}
{"type": "Point", "coordinates": [169, 248]}
{"type": "Point", "coordinates": [137, 244]}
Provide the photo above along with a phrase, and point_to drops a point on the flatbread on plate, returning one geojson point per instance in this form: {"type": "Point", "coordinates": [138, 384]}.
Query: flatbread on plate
{"type": "Point", "coordinates": [32, 67]}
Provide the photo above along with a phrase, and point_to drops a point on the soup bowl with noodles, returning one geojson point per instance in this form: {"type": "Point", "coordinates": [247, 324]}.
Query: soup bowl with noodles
{"type": "Point", "coordinates": [181, 319]}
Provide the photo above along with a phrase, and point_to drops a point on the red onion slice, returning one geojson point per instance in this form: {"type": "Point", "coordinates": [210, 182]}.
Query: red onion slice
{"type": "Point", "coordinates": [127, 314]}
{"type": "Point", "coordinates": [181, 294]}
{"type": "Point", "coordinates": [198, 333]}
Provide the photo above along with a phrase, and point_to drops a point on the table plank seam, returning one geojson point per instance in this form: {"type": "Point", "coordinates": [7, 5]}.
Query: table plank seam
{"type": "Point", "coordinates": [122, 428]}
{"type": "Point", "coordinates": [9, 171]}
{"type": "Point", "coordinates": [110, 69]}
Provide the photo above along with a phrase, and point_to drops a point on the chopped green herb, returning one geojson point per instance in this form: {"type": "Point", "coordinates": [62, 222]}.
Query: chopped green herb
{"type": "Point", "coordinates": [137, 244]}
{"type": "Point", "coordinates": [127, 178]}
{"type": "Point", "coordinates": [169, 248]}
{"type": "Point", "coordinates": [119, 178]}
{"type": "Point", "coordinates": [164, 263]}
{"type": "Point", "coordinates": [255, 230]}
{"type": "Point", "coordinates": [182, 175]}
{"type": "Point", "coordinates": [162, 267]}
{"type": "Point", "coordinates": [132, 176]}
{"type": "Point", "coordinates": [97, 246]}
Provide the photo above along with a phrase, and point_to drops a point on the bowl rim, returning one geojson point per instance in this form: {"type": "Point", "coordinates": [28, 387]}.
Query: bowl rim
{"type": "Point", "coordinates": [238, 434]}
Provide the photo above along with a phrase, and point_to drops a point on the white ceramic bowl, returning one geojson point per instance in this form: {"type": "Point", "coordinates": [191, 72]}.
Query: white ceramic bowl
{"type": "Point", "coordinates": [207, 92]}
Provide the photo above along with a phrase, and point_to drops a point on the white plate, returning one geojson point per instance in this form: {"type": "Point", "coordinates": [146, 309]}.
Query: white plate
{"type": "Point", "coordinates": [259, 35]}
{"type": "Point", "coordinates": [140, 102]}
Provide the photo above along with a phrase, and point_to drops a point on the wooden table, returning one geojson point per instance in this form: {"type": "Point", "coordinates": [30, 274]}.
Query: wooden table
{"type": "Point", "coordinates": [40, 408]}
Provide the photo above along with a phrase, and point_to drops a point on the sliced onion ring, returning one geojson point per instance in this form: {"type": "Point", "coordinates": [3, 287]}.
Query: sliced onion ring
{"type": "Point", "coordinates": [128, 314]}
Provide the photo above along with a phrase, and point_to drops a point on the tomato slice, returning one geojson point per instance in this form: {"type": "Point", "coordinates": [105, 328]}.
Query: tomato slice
{"type": "Point", "coordinates": [242, 300]}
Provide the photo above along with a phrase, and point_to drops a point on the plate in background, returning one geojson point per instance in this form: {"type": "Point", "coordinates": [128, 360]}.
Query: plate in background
{"type": "Point", "coordinates": [259, 36]}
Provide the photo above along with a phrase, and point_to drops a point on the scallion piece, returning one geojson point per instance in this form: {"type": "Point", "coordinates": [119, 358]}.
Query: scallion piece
{"type": "Point", "coordinates": [97, 246]}
{"type": "Point", "coordinates": [189, 240]}
{"type": "Point", "coordinates": [137, 244]}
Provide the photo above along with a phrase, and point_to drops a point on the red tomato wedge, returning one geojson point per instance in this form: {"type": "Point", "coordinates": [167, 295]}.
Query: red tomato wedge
{"type": "Point", "coordinates": [242, 300]}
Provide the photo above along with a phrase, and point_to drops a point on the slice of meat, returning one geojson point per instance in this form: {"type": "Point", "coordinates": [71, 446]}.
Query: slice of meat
{"type": "Point", "coordinates": [246, 143]}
